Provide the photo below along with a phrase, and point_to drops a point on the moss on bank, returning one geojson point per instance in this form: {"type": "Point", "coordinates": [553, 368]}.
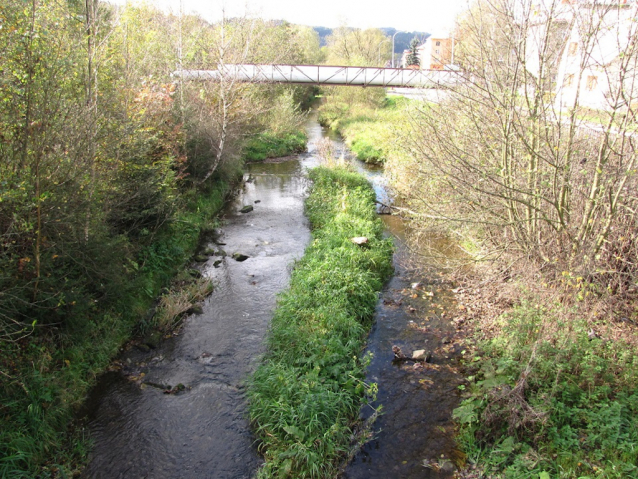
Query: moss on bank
{"type": "Point", "coordinates": [305, 397]}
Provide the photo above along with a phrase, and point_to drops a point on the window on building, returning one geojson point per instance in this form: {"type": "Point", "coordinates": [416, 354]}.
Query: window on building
{"type": "Point", "coordinates": [592, 82]}
{"type": "Point", "coordinates": [568, 80]}
{"type": "Point", "coordinates": [438, 44]}
{"type": "Point", "coordinates": [573, 48]}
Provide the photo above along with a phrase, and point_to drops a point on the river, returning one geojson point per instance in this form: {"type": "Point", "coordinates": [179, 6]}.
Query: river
{"type": "Point", "coordinates": [202, 431]}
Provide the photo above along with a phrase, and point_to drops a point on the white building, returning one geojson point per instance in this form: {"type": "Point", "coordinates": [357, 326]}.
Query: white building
{"type": "Point", "coordinates": [594, 68]}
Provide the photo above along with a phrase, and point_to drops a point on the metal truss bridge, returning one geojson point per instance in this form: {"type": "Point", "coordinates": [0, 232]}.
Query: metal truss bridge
{"type": "Point", "coordinates": [327, 75]}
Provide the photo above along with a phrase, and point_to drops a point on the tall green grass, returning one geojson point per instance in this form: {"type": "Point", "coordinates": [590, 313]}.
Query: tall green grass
{"type": "Point", "coordinates": [270, 145]}
{"type": "Point", "coordinates": [369, 132]}
{"type": "Point", "coordinates": [305, 397]}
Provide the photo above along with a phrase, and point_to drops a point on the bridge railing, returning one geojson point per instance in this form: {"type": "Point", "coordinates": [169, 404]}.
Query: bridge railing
{"type": "Point", "coordinates": [327, 75]}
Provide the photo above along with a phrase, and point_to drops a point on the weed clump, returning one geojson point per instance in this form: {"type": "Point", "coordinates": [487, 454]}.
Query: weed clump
{"type": "Point", "coordinates": [306, 396]}
{"type": "Point", "coordinates": [550, 398]}
{"type": "Point", "coordinates": [269, 145]}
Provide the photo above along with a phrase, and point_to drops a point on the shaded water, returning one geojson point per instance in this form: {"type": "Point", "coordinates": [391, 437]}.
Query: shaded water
{"type": "Point", "coordinates": [201, 432]}
{"type": "Point", "coordinates": [414, 436]}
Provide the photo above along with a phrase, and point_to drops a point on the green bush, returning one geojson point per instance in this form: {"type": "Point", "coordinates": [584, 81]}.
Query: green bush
{"type": "Point", "coordinates": [306, 396]}
{"type": "Point", "coordinates": [574, 413]}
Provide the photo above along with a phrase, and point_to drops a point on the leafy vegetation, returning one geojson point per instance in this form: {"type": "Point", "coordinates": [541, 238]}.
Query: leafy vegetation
{"type": "Point", "coordinates": [46, 376]}
{"type": "Point", "coordinates": [109, 171]}
{"type": "Point", "coordinates": [548, 397]}
{"type": "Point", "coordinates": [306, 396]}
{"type": "Point", "coordinates": [268, 145]}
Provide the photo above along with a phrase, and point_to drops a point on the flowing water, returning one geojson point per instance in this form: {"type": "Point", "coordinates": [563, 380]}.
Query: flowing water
{"type": "Point", "coordinates": [201, 431]}
{"type": "Point", "coordinates": [414, 435]}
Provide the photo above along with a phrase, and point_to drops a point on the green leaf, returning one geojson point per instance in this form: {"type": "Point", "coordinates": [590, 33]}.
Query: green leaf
{"type": "Point", "coordinates": [295, 431]}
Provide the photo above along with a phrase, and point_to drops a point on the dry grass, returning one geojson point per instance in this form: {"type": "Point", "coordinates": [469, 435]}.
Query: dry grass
{"type": "Point", "coordinates": [178, 301]}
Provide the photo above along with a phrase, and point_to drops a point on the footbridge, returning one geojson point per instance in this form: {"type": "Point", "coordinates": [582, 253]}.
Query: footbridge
{"type": "Point", "coordinates": [327, 75]}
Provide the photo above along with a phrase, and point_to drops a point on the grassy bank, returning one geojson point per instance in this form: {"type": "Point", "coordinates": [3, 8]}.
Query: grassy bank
{"type": "Point", "coordinates": [269, 145]}
{"type": "Point", "coordinates": [551, 345]}
{"type": "Point", "coordinates": [49, 372]}
{"type": "Point", "coordinates": [368, 131]}
{"type": "Point", "coordinates": [305, 397]}
{"type": "Point", "coordinates": [552, 397]}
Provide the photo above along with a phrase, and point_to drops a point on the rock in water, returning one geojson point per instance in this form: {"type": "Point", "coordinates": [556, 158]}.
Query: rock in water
{"type": "Point", "coordinates": [195, 273]}
{"type": "Point", "coordinates": [421, 355]}
{"type": "Point", "coordinates": [195, 309]}
{"type": "Point", "coordinates": [240, 257]}
{"type": "Point", "coordinates": [398, 354]}
{"type": "Point", "coordinates": [246, 209]}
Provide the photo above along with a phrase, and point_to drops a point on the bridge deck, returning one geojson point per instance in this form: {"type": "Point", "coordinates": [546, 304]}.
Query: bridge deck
{"type": "Point", "coordinates": [327, 75]}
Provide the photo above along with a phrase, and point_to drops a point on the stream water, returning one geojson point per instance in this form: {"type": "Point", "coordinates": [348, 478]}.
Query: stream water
{"type": "Point", "coordinates": [414, 435]}
{"type": "Point", "coordinates": [201, 432]}
{"type": "Point", "coordinates": [139, 431]}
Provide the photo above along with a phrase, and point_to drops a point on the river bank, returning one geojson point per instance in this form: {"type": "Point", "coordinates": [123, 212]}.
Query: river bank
{"type": "Point", "coordinates": [549, 350]}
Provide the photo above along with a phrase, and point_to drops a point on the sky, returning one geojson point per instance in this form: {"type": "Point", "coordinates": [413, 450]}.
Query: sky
{"type": "Point", "coordinates": [432, 16]}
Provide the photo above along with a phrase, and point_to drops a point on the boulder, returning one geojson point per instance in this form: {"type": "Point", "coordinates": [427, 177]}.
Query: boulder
{"type": "Point", "coordinates": [153, 340]}
{"type": "Point", "coordinates": [195, 309]}
{"type": "Point", "coordinates": [246, 209]}
{"type": "Point", "coordinates": [195, 273]}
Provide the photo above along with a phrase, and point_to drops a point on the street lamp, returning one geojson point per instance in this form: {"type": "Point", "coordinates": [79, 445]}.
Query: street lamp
{"type": "Point", "coordinates": [395, 34]}
{"type": "Point", "coordinates": [379, 46]}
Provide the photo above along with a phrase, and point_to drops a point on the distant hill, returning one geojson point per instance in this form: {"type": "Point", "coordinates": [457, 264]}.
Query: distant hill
{"type": "Point", "coordinates": [401, 41]}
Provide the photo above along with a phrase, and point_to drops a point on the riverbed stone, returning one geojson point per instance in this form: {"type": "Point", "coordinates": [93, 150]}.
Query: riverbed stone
{"type": "Point", "coordinates": [447, 467]}
{"type": "Point", "coordinates": [246, 209]}
{"type": "Point", "coordinates": [240, 257]}
{"type": "Point", "coordinates": [153, 339]}
{"type": "Point", "coordinates": [359, 240]}
{"type": "Point", "coordinates": [201, 258]}
{"type": "Point", "coordinates": [217, 263]}
{"type": "Point", "coordinates": [195, 309]}
{"type": "Point", "coordinates": [195, 273]}
{"type": "Point", "coordinates": [422, 355]}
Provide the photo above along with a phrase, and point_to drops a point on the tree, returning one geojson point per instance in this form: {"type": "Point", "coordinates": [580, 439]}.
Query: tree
{"type": "Point", "coordinates": [412, 59]}
{"type": "Point", "coordinates": [513, 156]}
{"type": "Point", "coordinates": [350, 46]}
